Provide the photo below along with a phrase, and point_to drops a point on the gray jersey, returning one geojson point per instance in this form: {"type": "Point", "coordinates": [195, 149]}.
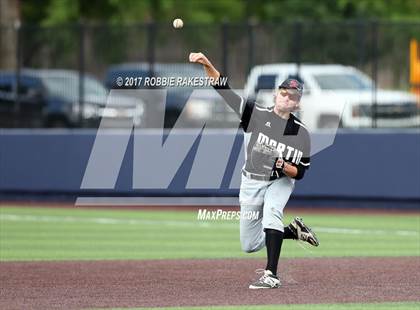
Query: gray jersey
{"type": "Point", "coordinates": [289, 137]}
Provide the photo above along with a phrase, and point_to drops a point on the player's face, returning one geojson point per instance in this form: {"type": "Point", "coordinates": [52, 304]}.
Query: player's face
{"type": "Point", "coordinates": [287, 100]}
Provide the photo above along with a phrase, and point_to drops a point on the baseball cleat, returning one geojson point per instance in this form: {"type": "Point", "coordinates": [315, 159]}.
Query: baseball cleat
{"type": "Point", "coordinates": [303, 232]}
{"type": "Point", "coordinates": [267, 280]}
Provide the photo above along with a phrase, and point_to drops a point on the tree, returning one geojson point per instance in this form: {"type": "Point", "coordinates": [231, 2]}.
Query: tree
{"type": "Point", "coordinates": [209, 11]}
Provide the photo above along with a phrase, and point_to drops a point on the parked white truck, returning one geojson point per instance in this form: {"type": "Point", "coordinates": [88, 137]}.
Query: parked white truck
{"type": "Point", "coordinates": [336, 95]}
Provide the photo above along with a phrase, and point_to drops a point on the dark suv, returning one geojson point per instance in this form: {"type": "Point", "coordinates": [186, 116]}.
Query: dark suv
{"type": "Point", "coordinates": [50, 98]}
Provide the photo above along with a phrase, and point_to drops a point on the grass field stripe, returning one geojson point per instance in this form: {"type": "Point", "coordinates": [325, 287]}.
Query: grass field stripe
{"type": "Point", "coordinates": [96, 220]}
{"type": "Point", "coordinates": [115, 221]}
{"type": "Point", "coordinates": [352, 231]}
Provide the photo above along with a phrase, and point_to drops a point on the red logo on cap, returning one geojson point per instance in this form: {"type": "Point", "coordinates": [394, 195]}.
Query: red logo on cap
{"type": "Point", "coordinates": [293, 83]}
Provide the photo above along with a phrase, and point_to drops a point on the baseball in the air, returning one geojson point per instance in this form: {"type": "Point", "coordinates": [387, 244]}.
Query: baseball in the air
{"type": "Point", "coordinates": [178, 23]}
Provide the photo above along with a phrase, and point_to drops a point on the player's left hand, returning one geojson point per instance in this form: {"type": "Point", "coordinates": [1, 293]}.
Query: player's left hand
{"type": "Point", "coordinates": [280, 163]}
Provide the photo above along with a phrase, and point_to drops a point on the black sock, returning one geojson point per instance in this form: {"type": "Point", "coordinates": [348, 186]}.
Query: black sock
{"type": "Point", "coordinates": [288, 234]}
{"type": "Point", "coordinates": [273, 242]}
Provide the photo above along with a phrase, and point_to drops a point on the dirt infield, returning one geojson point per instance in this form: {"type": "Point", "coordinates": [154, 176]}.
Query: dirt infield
{"type": "Point", "coordinates": [160, 283]}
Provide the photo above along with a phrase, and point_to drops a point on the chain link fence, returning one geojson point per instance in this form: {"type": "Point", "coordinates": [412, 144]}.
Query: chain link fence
{"type": "Point", "coordinates": [58, 76]}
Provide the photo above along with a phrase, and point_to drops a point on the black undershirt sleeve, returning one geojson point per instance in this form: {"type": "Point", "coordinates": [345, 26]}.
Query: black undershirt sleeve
{"type": "Point", "coordinates": [242, 107]}
{"type": "Point", "coordinates": [231, 98]}
{"type": "Point", "coordinates": [300, 172]}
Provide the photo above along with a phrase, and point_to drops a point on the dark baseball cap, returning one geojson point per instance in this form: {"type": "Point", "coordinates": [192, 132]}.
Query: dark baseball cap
{"type": "Point", "coordinates": [292, 84]}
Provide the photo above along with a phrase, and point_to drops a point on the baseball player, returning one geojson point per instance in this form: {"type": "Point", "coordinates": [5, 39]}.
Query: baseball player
{"type": "Point", "coordinates": [277, 154]}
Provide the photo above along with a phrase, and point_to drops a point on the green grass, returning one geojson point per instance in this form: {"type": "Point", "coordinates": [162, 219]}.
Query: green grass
{"type": "Point", "coordinates": [375, 306]}
{"type": "Point", "coordinates": [70, 234]}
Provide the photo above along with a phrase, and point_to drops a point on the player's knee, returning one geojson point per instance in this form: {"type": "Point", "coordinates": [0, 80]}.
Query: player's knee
{"type": "Point", "coordinates": [250, 246]}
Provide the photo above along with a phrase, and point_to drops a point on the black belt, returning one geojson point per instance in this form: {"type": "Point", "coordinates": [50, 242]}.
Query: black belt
{"type": "Point", "coordinates": [257, 177]}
